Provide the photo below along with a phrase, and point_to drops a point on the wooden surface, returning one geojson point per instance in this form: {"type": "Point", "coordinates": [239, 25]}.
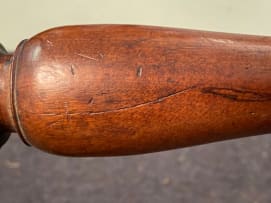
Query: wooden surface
{"type": "Point", "coordinates": [115, 90]}
{"type": "Point", "coordinates": [6, 119]}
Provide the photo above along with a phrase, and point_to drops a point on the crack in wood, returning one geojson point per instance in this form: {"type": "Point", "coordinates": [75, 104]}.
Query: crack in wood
{"type": "Point", "coordinates": [158, 100]}
{"type": "Point", "coordinates": [228, 93]}
{"type": "Point", "coordinates": [237, 94]}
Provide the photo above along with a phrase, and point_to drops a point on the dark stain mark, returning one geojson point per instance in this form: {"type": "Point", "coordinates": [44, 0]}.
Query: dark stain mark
{"type": "Point", "coordinates": [90, 101]}
{"type": "Point", "coordinates": [156, 66]}
{"type": "Point", "coordinates": [139, 71]}
{"type": "Point", "coordinates": [110, 101]}
{"type": "Point", "coordinates": [132, 43]}
{"type": "Point", "coordinates": [169, 80]}
{"type": "Point", "coordinates": [72, 70]}
{"type": "Point", "coordinates": [237, 95]}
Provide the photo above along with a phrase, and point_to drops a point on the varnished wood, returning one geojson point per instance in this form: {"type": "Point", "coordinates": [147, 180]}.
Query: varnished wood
{"type": "Point", "coordinates": [99, 90]}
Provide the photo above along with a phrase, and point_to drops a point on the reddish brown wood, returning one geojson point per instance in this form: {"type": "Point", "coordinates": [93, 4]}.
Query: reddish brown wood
{"type": "Point", "coordinates": [6, 118]}
{"type": "Point", "coordinates": [119, 89]}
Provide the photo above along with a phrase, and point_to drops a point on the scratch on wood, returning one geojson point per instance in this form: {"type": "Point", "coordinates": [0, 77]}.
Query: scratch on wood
{"type": "Point", "coordinates": [158, 100]}
{"type": "Point", "coordinates": [44, 114]}
{"type": "Point", "coordinates": [58, 121]}
{"type": "Point", "coordinates": [101, 55]}
{"type": "Point", "coordinates": [90, 101]}
{"type": "Point", "coordinates": [48, 114]}
{"type": "Point", "coordinates": [90, 113]}
{"type": "Point", "coordinates": [72, 69]}
{"type": "Point", "coordinates": [49, 42]}
{"type": "Point", "coordinates": [87, 57]}
{"type": "Point", "coordinates": [66, 107]}
{"type": "Point", "coordinates": [139, 71]}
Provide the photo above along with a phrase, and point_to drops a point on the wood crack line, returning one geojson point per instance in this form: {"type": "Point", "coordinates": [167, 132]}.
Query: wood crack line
{"type": "Point", "coordinates": [158, 100]}
{"type": "Point", "coordinates": [227, 93]}
{"type": "Point", "coordinates": [137, 105]}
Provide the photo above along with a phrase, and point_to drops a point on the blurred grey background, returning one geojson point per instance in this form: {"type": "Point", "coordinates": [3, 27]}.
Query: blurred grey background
{"type": "Point", "coordinates": [231, 171]}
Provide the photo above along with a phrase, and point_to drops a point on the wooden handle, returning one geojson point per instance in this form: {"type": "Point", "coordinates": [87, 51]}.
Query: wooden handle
{"type": "Point", "coordinates": [101, 90]}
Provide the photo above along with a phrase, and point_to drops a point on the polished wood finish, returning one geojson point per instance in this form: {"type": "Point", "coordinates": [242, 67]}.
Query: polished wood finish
{"type": "Point", "coordinates": [100, 90]}
{"type": "Point", "coordinates": [6, 119]}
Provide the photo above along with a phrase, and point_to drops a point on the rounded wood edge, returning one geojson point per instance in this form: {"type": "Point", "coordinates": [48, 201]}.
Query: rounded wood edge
{"type": "Point", "coordinates": [15, 67]}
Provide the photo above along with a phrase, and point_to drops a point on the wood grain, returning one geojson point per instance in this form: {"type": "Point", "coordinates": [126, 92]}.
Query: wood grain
{"type": "Point", "coordinates": [100, 90]}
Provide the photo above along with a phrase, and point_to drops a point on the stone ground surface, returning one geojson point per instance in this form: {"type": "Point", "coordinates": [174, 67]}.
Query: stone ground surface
{"type": "Point", "coordinates": [231, 171]}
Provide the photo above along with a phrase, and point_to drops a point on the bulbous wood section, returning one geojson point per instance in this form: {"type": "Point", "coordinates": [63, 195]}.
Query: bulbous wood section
{"type": "Point", "coordinates": [115, 90]}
